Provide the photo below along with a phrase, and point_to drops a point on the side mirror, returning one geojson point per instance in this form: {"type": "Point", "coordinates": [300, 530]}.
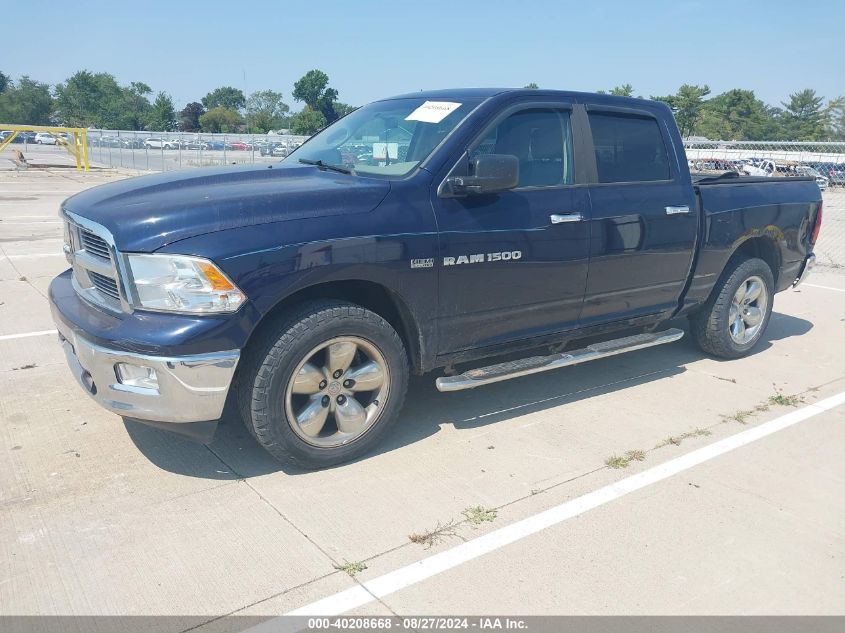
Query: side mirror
{"type": "Point", "coordinates": [491, 173]}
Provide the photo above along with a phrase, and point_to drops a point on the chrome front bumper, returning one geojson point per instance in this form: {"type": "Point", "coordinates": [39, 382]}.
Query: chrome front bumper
{"type": "Point", "coordinates": [809, 264]}
{"type": "Point", "coordinates": [190, 388]}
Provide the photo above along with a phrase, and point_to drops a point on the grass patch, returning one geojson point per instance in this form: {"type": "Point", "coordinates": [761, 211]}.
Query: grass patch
{"type": "Point", "coordinates": [783, 400]}
{"type": "Point", "coordinates": [430, 538]}
{"type": "Point", "coordinates": [622, 461]}
{"type": "Point", "coordinates": [616, 461]}
{"type": "Point", "coordinates": [476, 515]}
{"type": "Point", "coordinates": [675, 440]}
{"type": "Point", "coordinates": [739, 416]}
{"type": "Point", "coordinates": [351, 568]}
{"type": "Point", "coordinates": [635, 456]}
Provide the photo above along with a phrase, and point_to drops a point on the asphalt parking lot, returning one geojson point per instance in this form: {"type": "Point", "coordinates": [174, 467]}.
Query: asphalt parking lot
{"type": "Point", "coordinates": [657, 482]}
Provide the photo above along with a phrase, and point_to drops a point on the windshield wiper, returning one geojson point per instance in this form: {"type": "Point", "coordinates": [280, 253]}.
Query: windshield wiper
{"type": "Point", "coordinates": [322, 165]}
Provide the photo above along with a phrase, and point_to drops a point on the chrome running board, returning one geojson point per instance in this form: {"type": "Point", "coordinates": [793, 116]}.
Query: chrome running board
{"type": "Point", "coordinates": [536, 364]}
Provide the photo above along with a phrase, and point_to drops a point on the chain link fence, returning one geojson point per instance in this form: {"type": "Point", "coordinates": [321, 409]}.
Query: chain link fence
{"type": "Point", "coordinates": [165, 151]}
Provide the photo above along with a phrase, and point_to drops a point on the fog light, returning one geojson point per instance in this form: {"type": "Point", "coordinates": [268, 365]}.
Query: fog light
{"type": "Point", "coordinates": [136, 376]}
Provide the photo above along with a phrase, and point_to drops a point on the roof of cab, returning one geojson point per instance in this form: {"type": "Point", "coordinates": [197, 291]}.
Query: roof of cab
{"type": "Point", "coordinates": [457, 94]}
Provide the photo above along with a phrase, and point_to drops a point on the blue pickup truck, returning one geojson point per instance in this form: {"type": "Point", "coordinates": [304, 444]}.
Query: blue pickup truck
{"type": "Point", "coordinates": [419, 232]}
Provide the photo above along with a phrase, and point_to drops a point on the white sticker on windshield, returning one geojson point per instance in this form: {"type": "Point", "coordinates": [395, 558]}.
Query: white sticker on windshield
{"type": "Point", "coordinates": [433, 111]}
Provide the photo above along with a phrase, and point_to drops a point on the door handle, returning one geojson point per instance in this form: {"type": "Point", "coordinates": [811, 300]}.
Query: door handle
{"type": "Point", "coordinates": [563, 218]}
{"type": "Point", "coordinates": [682, 210]}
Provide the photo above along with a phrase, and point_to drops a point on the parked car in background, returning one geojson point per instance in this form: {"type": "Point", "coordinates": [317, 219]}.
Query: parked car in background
{"type": "Point", "coordinates": [132, 142]}
{"type": "Point", "coordinates": [160, 143]}
{"type": "Point", "coordinates": [194, 144]}
{"type": "Point", "coordinates": [821, 181]}
{"type": "Point", "coordinates": [214, 145]}
{"type": "Point", "coordinates": [45, 138]}
{"type": "Point", "coordinates": [240, 146]}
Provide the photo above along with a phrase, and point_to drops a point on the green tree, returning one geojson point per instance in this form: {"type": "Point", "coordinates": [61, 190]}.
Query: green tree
{"type": "Point", "coordinates": [4, 81]}
{"type": "Point", "coordinates": [26, 102]}
{"type": "Point", "coordinates": [313, 89]}
{"type": "Point", "coordinates": [737, 115]}
{"type": "Point", "coordinates": [87, 99]}
{"type": "Point", "coordinates": [265, 111]}
{"type": "Point", "coordinates": [625, 90]}
{"type": "Point", "coordinates": [307, 121]}
{"type": "Point", "coordinates": [804, 117]}
{"type": "Point", "coordinates": [162, 114]}
{"type": "Point", "coordinates": [835, 115]}
{"type": "Point", "coordinates": [220, 119]}
{"type": "Point", "coordinates": [189, 117]}
{"type": "Point", "coordinates": [686, 105]}
{"type": "Point", "coordinates": [532, 86]}
{"type": "Point", "coordinates": [224, 97]}
{"type": "Point", "coordinates": [342, 109]}
{"type": "Point", "coordinates": [137, 105]}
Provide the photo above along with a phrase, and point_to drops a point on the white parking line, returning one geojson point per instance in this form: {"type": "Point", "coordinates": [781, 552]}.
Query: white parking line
{"type": "Point", "coordinates": [9, 337]}
{"type": "Point", "coordinates": [824, 287]}
{"type": "Point", "coordinates": [394, 581]}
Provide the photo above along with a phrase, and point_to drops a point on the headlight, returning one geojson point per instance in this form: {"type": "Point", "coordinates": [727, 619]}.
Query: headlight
{"type": "Point", "coordinates": [179, 283]}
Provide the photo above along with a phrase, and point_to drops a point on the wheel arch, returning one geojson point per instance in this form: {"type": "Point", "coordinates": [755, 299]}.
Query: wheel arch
{"type": "Point", "coordinates": [762, 247]}
{"type": "Point", "coordinates": [368, 294]}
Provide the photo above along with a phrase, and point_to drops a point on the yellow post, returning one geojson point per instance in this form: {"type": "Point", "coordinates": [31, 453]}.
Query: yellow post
{"type": "Point", "coordinates": [78, 148]}
{"type": "Point", "coordinates": [75, 148]}
{"type": "Point", "coordinates": [85, 149]}
{"type": "Point", "coordinates": [8, 140]}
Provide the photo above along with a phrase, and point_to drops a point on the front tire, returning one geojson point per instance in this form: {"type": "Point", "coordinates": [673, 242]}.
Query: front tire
{"type": "Point", "coordinates": [736, 315]}
{"type": "Point", "coordinates": [323, 385]}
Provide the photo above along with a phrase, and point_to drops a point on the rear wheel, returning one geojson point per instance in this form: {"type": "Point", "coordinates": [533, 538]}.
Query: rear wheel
{"type": "Point", "coordinates": [732, 321]}
{"type": "Point", "coordinates": [324, 385]}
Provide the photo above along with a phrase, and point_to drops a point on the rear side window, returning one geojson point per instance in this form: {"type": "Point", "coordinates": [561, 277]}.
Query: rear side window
{"type": "Point", "coordinates": [628, 148]}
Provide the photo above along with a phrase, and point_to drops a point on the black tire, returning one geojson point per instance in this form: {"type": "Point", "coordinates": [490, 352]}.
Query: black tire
{"type": "Point", "coordinates": [710, 325]}
{"type": "Point", "coordinates": [270, 363]}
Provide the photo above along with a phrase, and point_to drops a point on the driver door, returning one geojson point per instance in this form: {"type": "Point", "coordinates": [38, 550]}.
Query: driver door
{"type": "Point", "coordinates": [513, 265]}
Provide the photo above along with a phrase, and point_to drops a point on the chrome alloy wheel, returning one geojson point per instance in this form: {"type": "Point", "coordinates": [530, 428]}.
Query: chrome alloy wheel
{"type": "Point", "coordinates": [337, 392]}
{"type": "Point", "coordinates": [748, 309]}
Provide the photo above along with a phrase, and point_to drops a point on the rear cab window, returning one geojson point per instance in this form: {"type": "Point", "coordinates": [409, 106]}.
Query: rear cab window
{"type": "Point", "coordinates": [628, 148]}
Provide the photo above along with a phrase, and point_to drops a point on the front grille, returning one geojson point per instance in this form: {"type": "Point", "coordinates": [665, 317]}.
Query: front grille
{"type": "Point", "coordinates": [96, 271]}
{"type": "Point", "coordinates": [94, 244]}
{"type": "Point", "coordinates": [106, 285]}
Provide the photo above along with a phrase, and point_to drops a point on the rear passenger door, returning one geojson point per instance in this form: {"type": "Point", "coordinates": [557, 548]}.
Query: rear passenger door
{"type": "Point", "coordinates": [644, 220]}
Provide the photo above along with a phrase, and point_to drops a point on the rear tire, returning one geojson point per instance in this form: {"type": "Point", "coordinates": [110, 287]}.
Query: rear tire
{"type": "Point", "coordinates": [324, 384]}
{"type": "Point", "coordinates": [736, 315]}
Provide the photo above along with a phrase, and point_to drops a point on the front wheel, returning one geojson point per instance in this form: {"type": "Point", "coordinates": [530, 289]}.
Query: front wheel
{"type": "Point", "coordinates": [324, 385]}
{"type": "Point", "coordinates": [735, 316]}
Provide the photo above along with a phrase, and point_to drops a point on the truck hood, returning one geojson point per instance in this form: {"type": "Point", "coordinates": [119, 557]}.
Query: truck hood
{"type": "Point", "coordinates": [146, 213]}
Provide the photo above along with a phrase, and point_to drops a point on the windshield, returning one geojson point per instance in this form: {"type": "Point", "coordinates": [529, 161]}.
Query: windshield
{"type": "Point", "coordinates": [386, 138]}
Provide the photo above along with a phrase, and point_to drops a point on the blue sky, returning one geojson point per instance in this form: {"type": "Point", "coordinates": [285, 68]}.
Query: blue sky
{"type": "Point", "coordinates": [376, 48]}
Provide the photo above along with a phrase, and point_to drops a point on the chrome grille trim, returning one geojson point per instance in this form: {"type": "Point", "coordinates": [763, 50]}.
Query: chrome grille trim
{"type": "Point", "coordinates": [94, 244]}
{"type": "Point", "coordinates": [98, 271]}
{"type": "Point", "coordinates": [106, 285]}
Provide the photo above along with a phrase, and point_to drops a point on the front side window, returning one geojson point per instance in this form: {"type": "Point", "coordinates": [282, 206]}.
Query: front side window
{"type": "Point", "coordinates": [387, 138]}
{"type": "Point", "coordinates": [628, 148]}
{"type": "Point", "coordinates": [541, 140]}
